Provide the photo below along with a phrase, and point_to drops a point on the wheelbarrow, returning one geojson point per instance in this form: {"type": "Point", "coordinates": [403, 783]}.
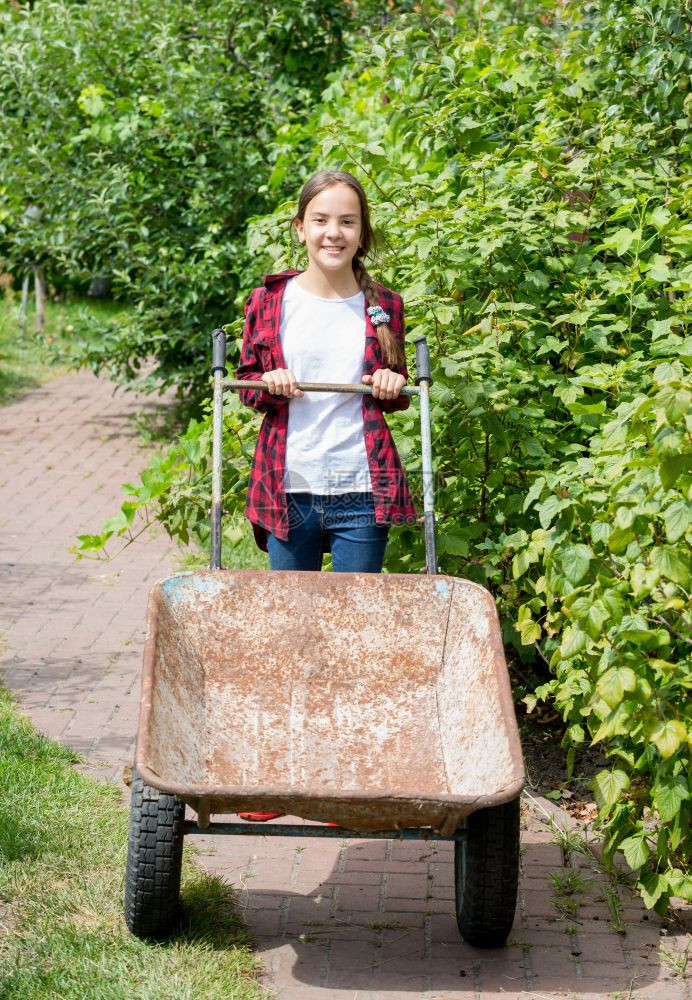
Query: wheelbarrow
{"type": "Point", "coordinates": [402, 733]}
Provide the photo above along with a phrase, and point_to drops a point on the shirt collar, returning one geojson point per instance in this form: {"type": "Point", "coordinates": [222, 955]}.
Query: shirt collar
{"type": "Point", "coordinates": [283, 276]}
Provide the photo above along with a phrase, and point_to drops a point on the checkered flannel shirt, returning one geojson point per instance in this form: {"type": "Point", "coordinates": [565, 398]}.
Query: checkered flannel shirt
{"type": "Point", "coordinates": [261, 351]}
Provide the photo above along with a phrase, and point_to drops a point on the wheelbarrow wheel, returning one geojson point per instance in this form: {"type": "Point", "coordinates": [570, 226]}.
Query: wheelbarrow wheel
{"type": "Point", "coordinates": [486, 875]}
{"type": "Point", "coordinates": [154, 861]}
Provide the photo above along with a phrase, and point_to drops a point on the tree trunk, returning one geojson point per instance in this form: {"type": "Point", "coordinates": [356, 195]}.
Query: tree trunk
{"type": "Point", "coordinates": [40, 291]}
{"type": "Point", "coordinates": [25, 300]}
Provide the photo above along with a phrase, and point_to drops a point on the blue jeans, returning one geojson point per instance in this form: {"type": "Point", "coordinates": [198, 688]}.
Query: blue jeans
{"type": "Point", "coordinates": [345, 520]}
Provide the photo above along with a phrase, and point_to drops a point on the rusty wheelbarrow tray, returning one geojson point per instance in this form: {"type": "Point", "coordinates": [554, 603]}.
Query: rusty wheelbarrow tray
{"type": "Point", "coordinates": [379, 703]}
{"type": "Point", "coordinates": [375, 702]}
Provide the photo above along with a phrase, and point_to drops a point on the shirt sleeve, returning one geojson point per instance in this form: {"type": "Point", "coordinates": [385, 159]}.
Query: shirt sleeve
{"type": "Point", "coordinates": [251, 367]}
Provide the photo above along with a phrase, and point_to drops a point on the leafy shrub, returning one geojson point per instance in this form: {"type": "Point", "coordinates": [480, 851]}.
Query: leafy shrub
{"type": "Point", "coordinates": [606, 579]}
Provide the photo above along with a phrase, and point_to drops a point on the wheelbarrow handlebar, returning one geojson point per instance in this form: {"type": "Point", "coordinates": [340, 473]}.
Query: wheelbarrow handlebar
{"type": "Point", "coordinates": [423, 383]}
{"type": "Point", "coordinates": [230, 383]}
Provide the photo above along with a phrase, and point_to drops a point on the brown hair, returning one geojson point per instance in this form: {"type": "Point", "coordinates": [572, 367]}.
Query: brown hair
{"type": "Point", "coordinates": [392, 352]}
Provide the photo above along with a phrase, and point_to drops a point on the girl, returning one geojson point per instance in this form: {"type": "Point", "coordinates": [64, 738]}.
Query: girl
{"type": "Point", "coordinates": [326, 474]}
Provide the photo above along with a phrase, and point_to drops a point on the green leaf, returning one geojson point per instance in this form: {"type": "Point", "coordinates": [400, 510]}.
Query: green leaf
{"type": "Point", "coordinates": [454, 543]}
{"type": "Point", "coordinates": [634, 628]}
{"type": "Point", "coordinates": [92, 543]}
{"type": "Point", "coordinates": [550, 508]}
{"type": "Point", "coordinates": [536, 280]}
{"type": "Point", "coordinates": [596, 618]}
{"type": "Point", "coordinates": [680, 884]}
{"type": "Point", "coordinates": [608, 786]}
{"type": "Point", "coordinates": [672, 467]}
{"type": "Point", "coordinates": [674, 564]}
{"type": "Point", "coordinates": [617, 723]}
{"type": "Point", "coordinates": [667, 371]}
{"type": "Point", "coordinates": [652, 886]}
{"type": "Point", "coordinates": [620, 241]}
{"type": "Point", "coordinates": [575, 561]}
{"type": "Point", "coordinates": [573, 642]}
{"type": "Point", "coordinates": [668, 736]}
{"type": "Point", "coordinates": [657, 268]}
{"type": "Point", "coordinates": [523, 559]}
{"type": "Point", "coordinates": [613, 683]}
{"type": "Point", "coordinates": [534, 493]}
{"type": "Point", "coordinates": [675, 401]}
{"type": "Point", "coordinates": [636, 850]}
{"type": "Point", "coordinates": [660, 217]}
{"type": "Point", "coordinates": [575, 734]}
{"type": "Point", "coordinates": [613, 603]}
{"type": "Point", "coordinates": [668, 795]}
{"type": "Point", "coordinates": [619, 539]}
{"type": "Point", "coordinates": [676, 518]}
{"type": "Point", "coordinates": [529, 630]}
{"type": "Point", "coordinates": [424, 246]}
{"type": "Point", "coordinates": [117, 524]}
{"type": "Point", "coordinates": [600, 531]}
{"type": "Point", "coordinates": [91, 100]}
{"type": "Point", "coordinates": [578, 408]}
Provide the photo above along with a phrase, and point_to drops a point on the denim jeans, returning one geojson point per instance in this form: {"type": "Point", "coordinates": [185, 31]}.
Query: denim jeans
{"type": "Point", "coordinates": [347, 520]}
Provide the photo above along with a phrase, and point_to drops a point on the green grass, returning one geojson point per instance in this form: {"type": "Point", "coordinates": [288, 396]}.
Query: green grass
{"type": "Point", "coordinates": [27, 360]}
{"type": "Point", "coordinates": [62, 862]}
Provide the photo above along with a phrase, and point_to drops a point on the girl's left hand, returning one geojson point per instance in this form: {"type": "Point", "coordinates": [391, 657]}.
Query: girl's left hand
{"type": "Point", "coordinates": [385, 383]}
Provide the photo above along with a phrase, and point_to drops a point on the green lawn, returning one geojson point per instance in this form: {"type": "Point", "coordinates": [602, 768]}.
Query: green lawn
{"type": "Point", "coordinates": [30, 358]}
{"type": "Point", "coordinates": [62, 863]}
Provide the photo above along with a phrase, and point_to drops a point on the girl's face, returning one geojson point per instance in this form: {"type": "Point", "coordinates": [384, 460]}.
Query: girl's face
{"type": "Point", "coordinates": [331, 229]}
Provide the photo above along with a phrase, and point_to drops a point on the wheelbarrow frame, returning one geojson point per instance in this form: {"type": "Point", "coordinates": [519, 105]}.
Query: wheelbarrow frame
{"type": "Point", "coordinates": [486, 840]}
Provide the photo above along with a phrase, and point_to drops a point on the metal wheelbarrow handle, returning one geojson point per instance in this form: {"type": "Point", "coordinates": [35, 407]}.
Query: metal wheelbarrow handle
{"type": "Point", "coordinates": [420, 389]}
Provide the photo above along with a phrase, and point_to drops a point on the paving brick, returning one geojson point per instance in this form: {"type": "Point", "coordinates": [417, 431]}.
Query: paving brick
{"type": "Point", "coordinates": [405, 886]}
{"type": "Point", "coordinates": [303, 912]}
{"type": "Point", "coordinates": [265, 923]}
{"type": "Point", "coordinates": [542, 855]}
{"type": "Point", "coordinates": [444, 929]}
{"type": "Point", "coordinates": [394, 906]}
{"type": "Point", "coordinates": [552, 964]}
{"type": "Point", "coordinates": [324, 993]}
{"type": "Point", "coordinates": [537, 903]}
{"type": "Point", "coordinates": [387, 919]}
{"type": "Point", "coordinates": [389, 983]}
{"type": "Point", "coordinates": [358, 897]}
{"type": "Point", "coordinates": [350, 878]}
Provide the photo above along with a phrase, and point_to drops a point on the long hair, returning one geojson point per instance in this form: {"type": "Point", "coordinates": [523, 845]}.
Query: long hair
{"type": "Point", "coordinates": [392, 352]}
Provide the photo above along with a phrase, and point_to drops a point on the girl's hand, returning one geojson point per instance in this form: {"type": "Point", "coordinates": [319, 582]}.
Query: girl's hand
{"type": "Point", "coordinates": [282, 382]}
{"type": "Point", "coordinates": [385, 383]}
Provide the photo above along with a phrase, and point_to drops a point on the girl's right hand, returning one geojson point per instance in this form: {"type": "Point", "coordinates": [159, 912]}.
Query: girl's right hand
{"type": "Point", "coordinates": [282, 382]}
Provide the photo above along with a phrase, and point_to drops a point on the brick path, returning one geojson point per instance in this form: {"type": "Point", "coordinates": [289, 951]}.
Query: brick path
{"type": "Point", "coordinates": [352, 920]}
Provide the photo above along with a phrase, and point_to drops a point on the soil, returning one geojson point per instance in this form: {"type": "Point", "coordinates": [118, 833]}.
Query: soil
{"type": "Point", "coordinates": [545, 760]}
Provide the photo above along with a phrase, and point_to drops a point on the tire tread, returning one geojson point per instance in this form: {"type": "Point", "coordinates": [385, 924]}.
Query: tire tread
{"type": "Point", "coordinates": [154, 861]}
{"type": "Point", "coordinates": [486, 897]}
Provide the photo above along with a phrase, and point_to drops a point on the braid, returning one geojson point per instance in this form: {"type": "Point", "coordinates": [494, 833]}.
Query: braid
{"type": "Point", "coordinates": [392, 351]}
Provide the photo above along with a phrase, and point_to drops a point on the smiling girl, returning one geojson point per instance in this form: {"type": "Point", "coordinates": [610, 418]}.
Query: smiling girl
{"type": "Point", "coordinates": [326, 475]}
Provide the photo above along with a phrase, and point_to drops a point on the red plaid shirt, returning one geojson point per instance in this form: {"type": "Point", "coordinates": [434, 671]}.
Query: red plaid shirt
{"type": "Point", "coordinates": [261, 352]}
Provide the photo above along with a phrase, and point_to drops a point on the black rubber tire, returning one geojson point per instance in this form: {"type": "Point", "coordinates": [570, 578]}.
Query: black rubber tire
{"type": "Point", "coordinates": [486, 875]}
{"type": "Point", "coordinates": [154, 861]}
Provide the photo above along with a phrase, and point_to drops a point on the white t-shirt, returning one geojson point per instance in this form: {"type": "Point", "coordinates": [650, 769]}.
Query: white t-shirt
{"type": "Point", "coordinates": [323, 340]}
